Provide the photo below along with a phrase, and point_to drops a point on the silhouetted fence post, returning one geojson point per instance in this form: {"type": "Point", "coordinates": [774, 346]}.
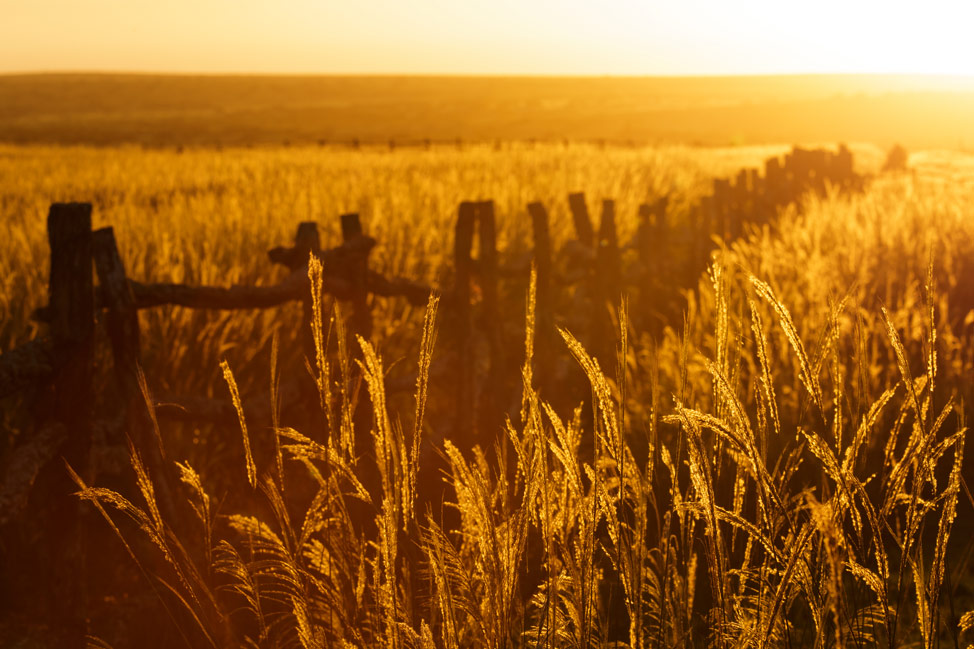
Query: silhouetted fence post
{"type": "Point", "coordinates": [463, 264]}
{"type": "Point", "coordinates": [774, 181]}
{"type": "Point", "coordinates": [741, 201]}
{"type": "Point", "coordinates": [721, 205]}
{"type": "Point", "coordinates": [361, 318]}
{"type": "Point", "coordinates": [606, 287]}
{"type": "Point", "coordinates": [122, 325]}
{"type": "Point", "coordinates": [608, 263]}
{"type": "Point", "coordinates": [819, 163]}
{"type": "Point", "coordinates": [544, 323]}
{"type": "Point", "coordinates": [651, 246]}
{"type": "Point", "coordinates": [68, 405]}
{"type": "Point", "coordinates": [583, 224]}
{"type": "Point", "coordinates": [306, 242]}
{"type": "Point", "coordinates": [121, 317]}
{"type": "Point", "coordinates": [591, 295]}
{"type": "Point", "coordinates": [492, 403]}
{"type": "Point", "coordinates": [842, 165]}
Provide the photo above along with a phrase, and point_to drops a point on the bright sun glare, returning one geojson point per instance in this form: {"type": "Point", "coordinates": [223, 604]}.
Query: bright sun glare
{"type": "Point", "coordinates": [616, 37]}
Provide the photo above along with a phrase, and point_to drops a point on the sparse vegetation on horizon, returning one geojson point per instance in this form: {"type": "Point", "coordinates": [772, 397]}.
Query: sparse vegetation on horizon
{"type": "Point", "coordinates": [241, 110]}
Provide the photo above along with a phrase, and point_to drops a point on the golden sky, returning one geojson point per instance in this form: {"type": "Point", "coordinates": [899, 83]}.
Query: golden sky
{"type": "Point", "coordinates": [559, 37]}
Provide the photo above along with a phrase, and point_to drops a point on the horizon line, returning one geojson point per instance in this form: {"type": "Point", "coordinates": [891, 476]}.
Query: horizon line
{"type": "Point", "coordinates": [465, 75]}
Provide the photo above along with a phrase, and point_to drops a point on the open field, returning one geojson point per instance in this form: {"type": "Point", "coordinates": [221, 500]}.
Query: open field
{"type": "Point", "coordinates": [173, 110]}
{"type": "Point", "coordinates": [778, 464]}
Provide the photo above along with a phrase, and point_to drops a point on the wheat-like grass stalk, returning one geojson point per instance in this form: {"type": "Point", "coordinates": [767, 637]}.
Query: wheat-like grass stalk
{"type": "Point", "coordinates": [238, 406]}
{"type": "Point", "coordinates": [809, 380]}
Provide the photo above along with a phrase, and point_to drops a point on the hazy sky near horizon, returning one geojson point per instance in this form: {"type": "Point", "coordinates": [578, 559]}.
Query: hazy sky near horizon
{"type": "Point", "coordinates": [566, 37]}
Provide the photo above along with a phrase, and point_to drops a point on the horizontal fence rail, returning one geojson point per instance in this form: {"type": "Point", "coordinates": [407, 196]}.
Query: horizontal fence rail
{"type": "Point", "coordinates": [592, 262]}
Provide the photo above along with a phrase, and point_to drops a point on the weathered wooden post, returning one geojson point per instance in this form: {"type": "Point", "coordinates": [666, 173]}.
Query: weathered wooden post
{"type": "Point", "coordinates": [774, 181]}
{"type": "Point", "coordinates": [606, 286]}
{"type": "Point", "coordinates": [360, 322]}
{"type": "Point", "coordinates": [121, 316]}
{"type": "Point", "coordinates": [843, 167]}
{"type": "Point", "coordinates": [583, 224]}
{"type": "Point", "coordinates": [463, 265]}
{"type": "Point", "coordinates": [492, 402]}
{"type": "Point", "coordinates": [646, 234]}
{"type": "Point", "coordinates": [798, 166]}
{"type": "Point", "coordinates": [721, 208]}
{"type": "Point", "coordinates": [122, 325]}
{"type": "Point", "coordinates": [67, 404]}
{"type": "Point", "coordinates": [741, 201]}
{"type": "Point", "coordinates": [608, 263]}
{"type": "Point", "coordinates": [652, 238]}
{"type": "Point", "coordinates": [306, 242]}
{"type": "Point", "coordinates": [544, 324]}
{"type": "Point", "coordinates": [818, 162]}
{"type": "Point", "coordinates": [758, 196]}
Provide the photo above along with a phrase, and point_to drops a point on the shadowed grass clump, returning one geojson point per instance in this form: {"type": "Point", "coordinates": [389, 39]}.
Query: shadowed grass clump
{"type": "Point", "coordinates": [739, 522]}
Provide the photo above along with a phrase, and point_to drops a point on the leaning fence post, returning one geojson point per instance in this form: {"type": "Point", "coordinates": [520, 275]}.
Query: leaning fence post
{"type": "Point", "coordinates": [583, 224]}
{"type": "Point", "coordinates": [463, 242]}
{"type": "Point", "coordinates": [122, 324]}
{"type": "Point", "coordinates": [361, 320]}
{"type": "Point", "coordinates": [121, 318]}
{"type": "Point", "coordinates": [69, 405]}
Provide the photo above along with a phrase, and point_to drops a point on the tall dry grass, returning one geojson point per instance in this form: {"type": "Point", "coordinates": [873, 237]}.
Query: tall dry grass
{"type": "Point", "coordinates": [784, 469]}
{"type": "Point", "coordinates": [830, 532]}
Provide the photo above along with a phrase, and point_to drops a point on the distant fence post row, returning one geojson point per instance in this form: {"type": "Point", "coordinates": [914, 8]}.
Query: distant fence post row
{"type": "Point", "coordinates": [671, 252]}
{"type": "Point", "coordinates": [60, 369]}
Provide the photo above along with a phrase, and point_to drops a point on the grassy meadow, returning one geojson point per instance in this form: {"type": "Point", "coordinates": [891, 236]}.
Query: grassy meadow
{"type": "Point", "coordinates": [780, 465]}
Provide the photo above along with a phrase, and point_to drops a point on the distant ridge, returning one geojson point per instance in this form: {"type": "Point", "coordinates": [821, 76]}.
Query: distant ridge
{"type": "Point", "coordinates": [177, 109]}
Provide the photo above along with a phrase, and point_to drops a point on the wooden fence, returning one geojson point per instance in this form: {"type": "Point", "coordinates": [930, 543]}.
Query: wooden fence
{"type": "Point", "coordinates": [589, 272]}
{"type": "Point", "coordinates": [592, 264]}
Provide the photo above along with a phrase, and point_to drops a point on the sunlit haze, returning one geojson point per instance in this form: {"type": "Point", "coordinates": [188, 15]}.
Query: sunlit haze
{"type": "Point", "coordinates": [574, 37]}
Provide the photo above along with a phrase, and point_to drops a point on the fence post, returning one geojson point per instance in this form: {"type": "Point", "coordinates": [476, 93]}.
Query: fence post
{"type": "Point", "coordinates": [306, 242]}
{"type": "Point", "coordinates": [606, 286]}
{"type": "Point", "coordinates": [721, 207]}
{"type": "Point", "coordinates": [463, 264]}
{"type": "Point", "coordinates": [492, 403]}
{"type": "Point", "coordinates": [608, 263]}
{"type": "Point", "coordinates": [842, 163]}
{"type": "Point", "coordinates": [818, 172]}
{"type": "Point", "coordinates": [68, 404]}
{"type": "Point", "coordinates": [651, 242]}
{"type": "Point", "coordinates": [774, 182]}
{"type": "Point", "coordinates": [121, 320]}
{"type": "Point", "coordinates": [759, 205]}
{"type": "Point", "coordinates": [544, 322]}
{"type": "Point", "coordinates": [122, 324]}
{"type": "Point", "coordinates": [361, 319]}
{"type": "Point", "coordinates": [711, 225]}
{"type": "Point", "coordinates": [583, 224]}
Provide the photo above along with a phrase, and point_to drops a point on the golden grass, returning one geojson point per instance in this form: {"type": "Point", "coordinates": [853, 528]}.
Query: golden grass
{"type": "Point", "coordinates": [735, 484]}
